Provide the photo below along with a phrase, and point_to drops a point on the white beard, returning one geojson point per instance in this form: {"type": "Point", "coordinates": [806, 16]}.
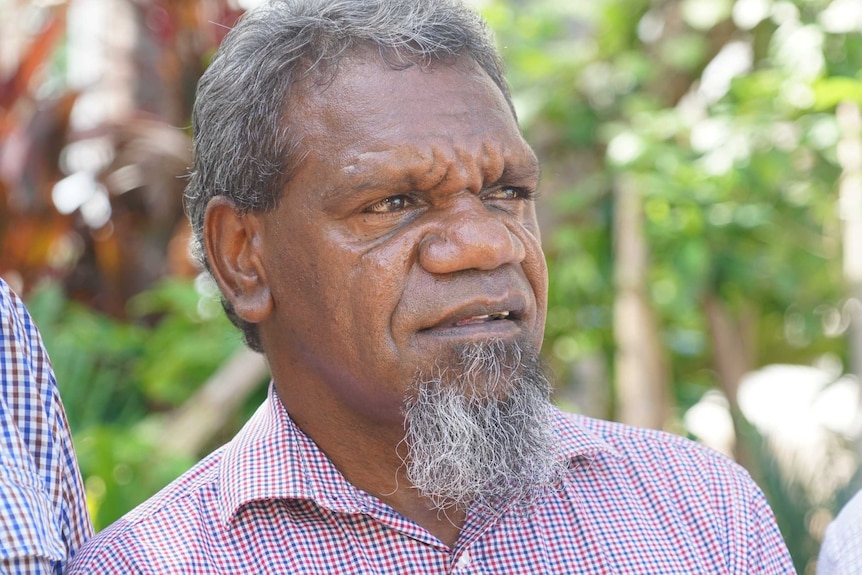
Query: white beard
{"type": "Point", "coordinates": [479, 431]}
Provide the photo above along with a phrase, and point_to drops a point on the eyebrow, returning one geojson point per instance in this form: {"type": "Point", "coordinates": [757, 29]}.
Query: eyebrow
{"type": "Point", "coordinates": [520, 171]}
{"type": "Point", "coordinates": [404, 180]}
{"type": "Point", "coordinates": [368, 179]}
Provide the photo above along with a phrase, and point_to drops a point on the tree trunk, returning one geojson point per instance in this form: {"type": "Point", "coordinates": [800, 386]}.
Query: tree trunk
{"type": "Point", "coordinates": [850, 211]}
{"type": "Point", "coordinates": [640, 365]}
{"type": "Point", "coordinates": [189, 428]}
{"type": "Point", "coordinates": [732, 358]}
{"type": "Point", "coordinates": [730, 346]}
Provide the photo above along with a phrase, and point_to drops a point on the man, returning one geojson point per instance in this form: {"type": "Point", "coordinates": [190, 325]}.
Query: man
{"type": "Point", "coordinates": [841, 553]}
{"type": "Point", "coordinates": [364, 199]}
{"type": "Point", "coordinates": [43, 513]}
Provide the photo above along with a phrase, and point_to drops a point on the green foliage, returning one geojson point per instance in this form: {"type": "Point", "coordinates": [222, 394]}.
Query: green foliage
{"type": "Point", "coordinates": [790, 500]}
{"type": "Point", "coordinates": [192, 337]}
{"type": "Point", "coordinates": [116, 377]}
{"type": "Point", "coordinates": [122, 466]}
{"type": "Point", "coordinates": [738, 176]}
{"type": "Point", "coordinates": [93, 357]}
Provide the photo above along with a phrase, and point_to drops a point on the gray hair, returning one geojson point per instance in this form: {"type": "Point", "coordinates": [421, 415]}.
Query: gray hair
{"type": "Point", "coordinates": [480, 430]}
{"type": "Point", "coordinates": [244, 146]}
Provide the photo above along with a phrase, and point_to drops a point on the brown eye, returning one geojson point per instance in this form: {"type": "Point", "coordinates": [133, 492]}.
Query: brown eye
{"type": "Point", "coordinates": [510, 193]}
{"type": "Point", "coordinates": [389, 205]}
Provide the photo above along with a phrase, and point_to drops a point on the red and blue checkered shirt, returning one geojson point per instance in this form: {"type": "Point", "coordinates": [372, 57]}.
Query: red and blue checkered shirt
{"type": "Point", "coordinates": [43, 514]}
{"type": "Point", "coordinates": [634, 501]}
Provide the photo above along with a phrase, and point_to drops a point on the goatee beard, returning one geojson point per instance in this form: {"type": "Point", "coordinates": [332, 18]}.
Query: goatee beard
{"type": "Point", "coordinates": [479, 429]}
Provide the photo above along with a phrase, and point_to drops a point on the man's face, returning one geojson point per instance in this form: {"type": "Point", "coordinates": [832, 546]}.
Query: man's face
{"type": "Point", "coordinates": [407, 231]}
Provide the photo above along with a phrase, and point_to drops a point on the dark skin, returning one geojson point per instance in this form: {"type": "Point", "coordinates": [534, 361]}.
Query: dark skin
{"type": "Point", "coordinates": [407, 229]}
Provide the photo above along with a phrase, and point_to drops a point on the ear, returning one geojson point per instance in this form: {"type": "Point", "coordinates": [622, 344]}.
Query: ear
{"type": "Point", "coordinates": [233, 242]}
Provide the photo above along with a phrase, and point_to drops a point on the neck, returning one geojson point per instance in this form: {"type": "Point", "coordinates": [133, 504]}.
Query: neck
{"type": "Point", "coordinates": [367, 455]}
{"type": "Point", "coordinates": [445, 524]}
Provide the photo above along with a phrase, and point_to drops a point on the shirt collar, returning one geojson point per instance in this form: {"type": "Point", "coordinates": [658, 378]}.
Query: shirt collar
{"type": "Point", "coordinates": [271, 458]}
{"type": "Point", "coordinates": [576, 441]}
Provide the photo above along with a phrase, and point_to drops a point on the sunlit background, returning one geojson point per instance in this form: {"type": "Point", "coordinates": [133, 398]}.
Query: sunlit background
{"type": "Point", "coordinates": [701, 210]}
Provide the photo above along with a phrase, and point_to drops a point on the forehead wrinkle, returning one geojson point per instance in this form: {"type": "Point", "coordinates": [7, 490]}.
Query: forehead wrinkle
{"type": "Point", "coordinates": [462, 167]}
{"type": "Point", "coordinates": [438, 163]}
{"type": "Point", "coordinates": [471, 169]}
{"type": "Point", "coordinates": [494, 161]}
{"type": "Point", "coordinates": [437, 167]}
{"type": "Point", "coordinates": [389, 169]}
{"type": "Point", "coordinates": [435, 171]}
{"type": "Point", "coordinates": [451, 169]}
{"type": "Point", "coordinates": [426, 168]}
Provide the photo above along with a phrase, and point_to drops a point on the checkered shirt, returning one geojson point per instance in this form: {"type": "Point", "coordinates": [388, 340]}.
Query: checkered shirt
{"type": "Point", "coordinates": [634, 501]}
{"type": "Point", "coordinates": [841, 553]}
{"type": "Point", "coordinates": [43, 513]}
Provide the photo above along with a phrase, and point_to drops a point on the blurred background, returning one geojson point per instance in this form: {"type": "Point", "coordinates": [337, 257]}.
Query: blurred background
{"type": "Point", "coordinates": [701, 210]}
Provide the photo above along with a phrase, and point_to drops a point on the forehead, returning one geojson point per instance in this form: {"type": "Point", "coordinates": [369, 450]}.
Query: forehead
{"type": "Point", "coordinates": [370, 120]}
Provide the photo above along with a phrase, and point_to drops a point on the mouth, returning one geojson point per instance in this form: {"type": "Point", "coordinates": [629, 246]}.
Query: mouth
{"type": "Point", "coordinates": [484, 318]}
{"type": "Point", "coordinates": [476, 318]}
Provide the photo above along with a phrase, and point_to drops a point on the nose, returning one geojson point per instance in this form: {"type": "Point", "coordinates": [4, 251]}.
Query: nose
{"type": "Point", "coordinates": [469, 237]}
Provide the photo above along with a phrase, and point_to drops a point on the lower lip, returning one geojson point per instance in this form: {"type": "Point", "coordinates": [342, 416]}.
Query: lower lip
{"type": "Point", "coordinates": [499, 328]}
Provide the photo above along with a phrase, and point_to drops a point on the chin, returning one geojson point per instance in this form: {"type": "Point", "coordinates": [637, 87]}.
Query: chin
{"type": "Point", "coordinates": [479, 428]}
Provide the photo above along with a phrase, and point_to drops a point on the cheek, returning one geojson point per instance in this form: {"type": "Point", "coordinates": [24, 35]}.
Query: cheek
{"type": "Point", "coordinates": [306, 272]}
{"type": "Point", "coordinates": [382, 276]}
{"type": "Point", "coordinates": [535, 269]}
{"type": "Point", "coordinates": [540, 288]}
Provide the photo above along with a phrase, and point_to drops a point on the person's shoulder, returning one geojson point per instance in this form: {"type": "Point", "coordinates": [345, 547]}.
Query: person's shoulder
{"type": "Point", "coordinates": [631, 440]}
{"type": "Point", "coordinates": [8, 298]}
{"type": "Point", "coordinates": [16, 325]}
{"type": "Point", "coordinates": [842, 545]}
{"type": "Point", "coordinates": [689, 491]}
{"type": "Point", "coordinates": [659, 453]}
{"type": "Point", "coordinates": [156, 528]}
{"type": "Point", "coordinates": [851, 513]}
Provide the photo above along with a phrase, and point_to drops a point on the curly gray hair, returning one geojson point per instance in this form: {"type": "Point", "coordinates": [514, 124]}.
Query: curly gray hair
{"type": "Point", "coordinates": [245, 147]}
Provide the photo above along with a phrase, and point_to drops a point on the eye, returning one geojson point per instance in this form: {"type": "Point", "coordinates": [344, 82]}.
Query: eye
{"type": "Point", "coordinates": [510, 193]}
{"type": "Point", "coordinates": [389, 205]}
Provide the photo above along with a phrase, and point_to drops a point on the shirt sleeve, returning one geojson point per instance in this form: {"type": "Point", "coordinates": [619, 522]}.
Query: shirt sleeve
{"type": "Point", "coordinates": [114, 550]}
{"type": "Point", "coordinates": [29, 566]}
{"type": "Point", "coordinates": [841, 552]}
{"type": "Point", "coordinates": [31, 539]}
{"type": "Point", "coordinates": [827, 561]}
{"type": "Point", "coordinates": [768, 552]}
{"type": "Point", "coordinates": [43, 515]}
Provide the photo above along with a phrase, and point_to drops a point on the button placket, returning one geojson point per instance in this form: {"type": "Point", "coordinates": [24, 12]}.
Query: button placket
{"type": "Point", "coordinates": [464, 561]}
